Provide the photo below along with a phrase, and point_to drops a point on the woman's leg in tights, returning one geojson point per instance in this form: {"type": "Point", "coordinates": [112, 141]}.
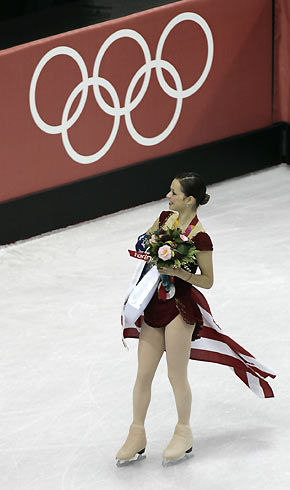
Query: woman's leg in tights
{"type": "Point", "coordinates": [150, 349]}
{"type": "Point", "coordinates": [177, 343]}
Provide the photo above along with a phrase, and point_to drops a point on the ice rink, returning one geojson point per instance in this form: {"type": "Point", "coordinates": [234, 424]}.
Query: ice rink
{"type": "Point", "coordinates": [67, 380]}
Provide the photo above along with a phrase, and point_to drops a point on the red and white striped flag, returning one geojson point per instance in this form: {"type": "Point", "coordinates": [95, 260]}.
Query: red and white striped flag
{"type": "Point", "coordinates": [215, 346]}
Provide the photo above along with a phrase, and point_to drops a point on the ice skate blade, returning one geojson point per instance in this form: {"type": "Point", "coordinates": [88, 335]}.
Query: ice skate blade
{"type": "Point", "coordinates": [170, 462]}
{"type": "Point", "coordinates": [126, 462]}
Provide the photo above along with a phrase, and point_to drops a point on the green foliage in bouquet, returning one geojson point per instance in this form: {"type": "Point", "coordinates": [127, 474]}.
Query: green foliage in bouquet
{"type": "Point", "coordinates": [171, 248]}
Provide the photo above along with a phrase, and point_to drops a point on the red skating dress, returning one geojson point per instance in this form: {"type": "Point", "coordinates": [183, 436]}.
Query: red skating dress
{"type": "Point", "coordinates": [159, 313]}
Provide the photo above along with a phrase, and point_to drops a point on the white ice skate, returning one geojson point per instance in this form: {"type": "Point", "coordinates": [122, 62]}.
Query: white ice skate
{"type": "Point", "coordinates": [134, 447]}
{"type": "Point", "coordinates": [180, 446]}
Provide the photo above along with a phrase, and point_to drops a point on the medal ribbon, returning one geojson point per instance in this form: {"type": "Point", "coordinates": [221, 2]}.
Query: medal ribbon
{"type": "Point", "coordinates": [190, 227]}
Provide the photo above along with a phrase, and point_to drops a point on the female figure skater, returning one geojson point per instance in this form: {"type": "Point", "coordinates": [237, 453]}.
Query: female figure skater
{"type": "Point", "coordinates": [172, 325]}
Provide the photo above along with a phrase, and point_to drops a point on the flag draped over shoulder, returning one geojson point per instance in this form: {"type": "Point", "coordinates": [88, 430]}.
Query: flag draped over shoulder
{"type": "Point", "coordinates": [215, 346]}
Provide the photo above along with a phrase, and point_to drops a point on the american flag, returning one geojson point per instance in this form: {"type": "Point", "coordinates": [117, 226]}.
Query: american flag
{"type": "Point", "coordinates": [215, 346]}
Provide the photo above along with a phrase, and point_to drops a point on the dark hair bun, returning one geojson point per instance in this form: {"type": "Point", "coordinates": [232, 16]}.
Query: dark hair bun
{"type": "Point", "coordinates": [205, 199]}
{"type": "Point", "coordinates": [192, 185]}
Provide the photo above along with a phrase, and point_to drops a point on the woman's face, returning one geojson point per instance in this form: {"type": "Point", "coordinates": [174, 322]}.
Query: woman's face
{"type": "Point", "coordinates": [177, 199]}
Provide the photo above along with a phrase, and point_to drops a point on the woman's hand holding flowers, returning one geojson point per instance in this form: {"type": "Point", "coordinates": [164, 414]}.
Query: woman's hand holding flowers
{"type": "Point", "coordinates": [169, 271]}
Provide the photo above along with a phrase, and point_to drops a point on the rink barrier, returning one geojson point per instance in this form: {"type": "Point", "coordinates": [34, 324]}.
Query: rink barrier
{"type": "Point", "coordinates": [43, 189]}
{"type": "Point", "coordinates": [281, 72]}
{"type": "Point", "coordinates": [184, 74]}
{"type": "Point", "coordinates": [281, 82]}
{"type": "Point", "coordinates": [138, 184]}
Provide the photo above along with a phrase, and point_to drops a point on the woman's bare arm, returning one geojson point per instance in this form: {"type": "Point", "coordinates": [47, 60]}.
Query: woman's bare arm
{"type": "Point", "coordinates": [203, 280]}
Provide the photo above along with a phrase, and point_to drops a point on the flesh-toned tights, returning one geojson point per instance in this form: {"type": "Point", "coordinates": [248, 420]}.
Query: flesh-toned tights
{"type": "Point", "coordinates": [176, 338]}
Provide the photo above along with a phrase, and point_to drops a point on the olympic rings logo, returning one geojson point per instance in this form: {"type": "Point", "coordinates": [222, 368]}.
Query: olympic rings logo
{"type": "Point", "coordinates": [115, 110]}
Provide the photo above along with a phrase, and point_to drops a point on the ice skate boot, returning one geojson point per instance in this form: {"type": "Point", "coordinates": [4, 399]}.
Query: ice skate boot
{"type": "Point", "coordinates": [180, 446]}
{"type": "Point", "coordinates": [134, 447]}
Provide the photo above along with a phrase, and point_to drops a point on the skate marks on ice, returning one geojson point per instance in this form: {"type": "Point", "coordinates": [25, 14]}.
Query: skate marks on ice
{"type": "Point", "coordinates": [66, 380]}
{"type": "Point", "coordinates": [250, 440]}
{"type": "Point", "coordinates": [9, 472]}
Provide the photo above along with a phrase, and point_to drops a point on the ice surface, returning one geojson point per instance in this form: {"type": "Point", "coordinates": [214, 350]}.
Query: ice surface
{"type": "Point", "coordinates": [66, 379]}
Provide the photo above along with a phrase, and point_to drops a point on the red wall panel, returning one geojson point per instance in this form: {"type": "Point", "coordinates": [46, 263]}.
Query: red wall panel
{"type": "Point", "coordinates": [282, 61]}
{"type": "Point", "coordinates": [235, 97]}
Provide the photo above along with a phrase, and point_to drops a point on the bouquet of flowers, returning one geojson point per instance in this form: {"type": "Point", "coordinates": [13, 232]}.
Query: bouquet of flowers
{"type": "Point", "coordinates": [170, 248]}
